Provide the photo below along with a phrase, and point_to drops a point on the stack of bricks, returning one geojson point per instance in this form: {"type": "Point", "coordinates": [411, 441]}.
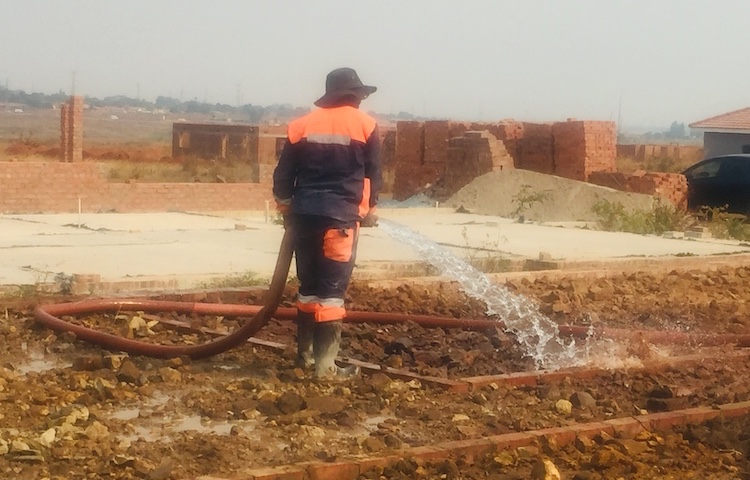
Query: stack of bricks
{"type": "Point", "coordinates": [421, 154]}
{"type": "Point", "coordinates": [511, 133]}
{"type": "Point", "coordinates": [469, 156]}
{"type": "Point", "coordinates": [71, 130]}
{"type": "Point", "coordinates": [409, 159]}
{"type": "Point", "coordinates": [581, 148]}
{"type": "Point", "coordinates": [535, 150]}
{"type": "Point", "coordinates": [671, 187]}
{"type": "Point", "coordinates": [614, 180]}
{"type": "Point", "coordinates": [387, 159]}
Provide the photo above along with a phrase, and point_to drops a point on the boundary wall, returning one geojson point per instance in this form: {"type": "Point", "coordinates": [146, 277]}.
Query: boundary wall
{"type": "Point", "coordinates": [57, 187]}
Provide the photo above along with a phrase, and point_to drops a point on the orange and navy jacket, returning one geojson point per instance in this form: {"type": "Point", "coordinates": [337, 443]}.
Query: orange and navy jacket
{"type": "Point", "coordinates": [330, 165]}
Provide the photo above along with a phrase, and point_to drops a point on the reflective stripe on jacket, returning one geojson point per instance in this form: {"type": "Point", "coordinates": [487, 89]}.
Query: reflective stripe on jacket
{"type": "Point", "coordinates": [330, 165]}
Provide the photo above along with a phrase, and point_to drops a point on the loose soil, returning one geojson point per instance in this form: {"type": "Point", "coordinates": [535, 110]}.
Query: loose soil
{"type": "Point", "coordinates": [557, 199]}
{"type": "Point", "coordinates": [72, 411]}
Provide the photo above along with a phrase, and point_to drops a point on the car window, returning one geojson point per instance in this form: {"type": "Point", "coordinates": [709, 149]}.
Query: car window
{"type": "Point", "coordinates": [706, 170]}
{"type": "Point", "coordinates": [734, 169]}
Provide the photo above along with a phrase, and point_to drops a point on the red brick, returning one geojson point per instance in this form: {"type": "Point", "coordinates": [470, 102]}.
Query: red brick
{"type": "Point", "coordinates": [627, 427]}
{"type": "Point", "coordinates": [273, 473]}
{"type": "Point", "coordinates": [512, 440]}
{"type": "Point", "coordinates": [665, 420]}
{"type": "Point", "coordinates": [333, 471]}
{"type": "Point", "coordinates": [561, 435]}
{"type": "Point", "coordinates": [367, 463]}
{"type": "Point", "coordinates": [512, 379]}
{"type": "Point", "coordinates": [701, 414]}
{"type": "Point", "coordinates": [469, 449]}
{"type": "Point", "coordinates": [732, 410]}
{"type": "Point", "coordinates": [590, 430]}
{"type": "Point", "coordinates": [427, 453]}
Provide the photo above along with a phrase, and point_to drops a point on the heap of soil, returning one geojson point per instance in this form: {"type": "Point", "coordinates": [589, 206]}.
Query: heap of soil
{"type": "Point", "coordinates": [501, 192]}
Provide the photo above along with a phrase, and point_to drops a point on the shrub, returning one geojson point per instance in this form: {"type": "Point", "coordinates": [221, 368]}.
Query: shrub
{"type": "Point", "coordinates": [663, 217]}
{"type": "Point", "coordinates": [722, 224]}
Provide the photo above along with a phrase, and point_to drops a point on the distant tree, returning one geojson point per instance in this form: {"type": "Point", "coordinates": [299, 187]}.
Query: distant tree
{"type": "Point", "coordinates": [194, 106]}
{"type": "Point", "coordinates": [677, 130]}
{"type": "Point", "coordinates": [252, 113]}
{"type": "Point", "coordinates": [166, 102]}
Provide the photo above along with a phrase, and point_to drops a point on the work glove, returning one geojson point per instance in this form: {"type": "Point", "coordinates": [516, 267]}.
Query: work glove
{"type": "Point", "coordinates": [370, 220]}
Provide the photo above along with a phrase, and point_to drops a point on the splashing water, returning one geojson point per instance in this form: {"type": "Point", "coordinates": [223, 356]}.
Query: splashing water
{"type": "Point", "coordinates": [536, 333]}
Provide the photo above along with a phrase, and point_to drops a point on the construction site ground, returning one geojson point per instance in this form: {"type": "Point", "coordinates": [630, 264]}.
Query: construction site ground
{"type": "Point", "coordinates": [431, 403]}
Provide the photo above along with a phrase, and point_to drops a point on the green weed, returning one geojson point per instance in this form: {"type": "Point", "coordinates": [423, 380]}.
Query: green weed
{"type": "Point", "coordinates": [247, 279]}
{"type": "Point", "coordinates": [722, 224]}
{"type": "Point", "coordinates": [487, 258]}
{"type": "Point", "coordinates": [526, 198]}
{"type": "Point", "coordinates": [663, 217]}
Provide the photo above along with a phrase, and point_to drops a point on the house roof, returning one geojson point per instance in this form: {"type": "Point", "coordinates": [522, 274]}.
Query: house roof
{"type": "Point", "coordinates": [736, 120]}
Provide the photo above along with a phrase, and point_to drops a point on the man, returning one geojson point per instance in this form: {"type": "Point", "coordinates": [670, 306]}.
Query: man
{"type": "Point", "coordinates": [326, 185]}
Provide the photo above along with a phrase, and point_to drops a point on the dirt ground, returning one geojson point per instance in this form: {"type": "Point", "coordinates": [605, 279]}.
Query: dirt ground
{"type": "Point", "coordinates": [71, 410]}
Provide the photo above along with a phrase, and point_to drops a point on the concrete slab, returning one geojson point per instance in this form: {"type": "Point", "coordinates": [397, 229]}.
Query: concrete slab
{"type": "Point", "coordinates": [190, 248]}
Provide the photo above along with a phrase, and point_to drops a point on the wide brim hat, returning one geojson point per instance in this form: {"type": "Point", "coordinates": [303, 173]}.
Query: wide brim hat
{"type": "Point", "coordinates": [341, 83]}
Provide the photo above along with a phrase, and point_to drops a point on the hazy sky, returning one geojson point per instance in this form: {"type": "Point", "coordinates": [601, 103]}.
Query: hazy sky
{"type": "Point", "coordinates": [648, 62]}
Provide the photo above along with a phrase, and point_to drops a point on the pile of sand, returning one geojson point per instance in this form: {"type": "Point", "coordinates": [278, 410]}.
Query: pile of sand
{"type": "Point", "coordinates": [568, 200]}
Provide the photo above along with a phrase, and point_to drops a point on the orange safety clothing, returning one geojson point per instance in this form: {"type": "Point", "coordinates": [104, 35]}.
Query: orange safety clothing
{"type": "Point", "coordinates": [330, 165]}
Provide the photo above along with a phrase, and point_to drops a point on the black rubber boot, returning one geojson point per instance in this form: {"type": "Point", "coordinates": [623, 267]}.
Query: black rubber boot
{"type": "Point", "coordinates": [305, 335]}
{"type": "Point", "coordinates": [326, 344]}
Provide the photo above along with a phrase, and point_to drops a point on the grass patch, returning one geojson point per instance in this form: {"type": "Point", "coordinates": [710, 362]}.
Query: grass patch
{"type": "Point", "coordinates": [725, 225]}
{"type": "Point", "coordinates": [664, 217]}
{"type": "Point", "coordinates": [247, 279]}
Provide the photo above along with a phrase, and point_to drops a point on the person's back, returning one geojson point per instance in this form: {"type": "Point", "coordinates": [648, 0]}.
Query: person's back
{"type": "Point", "coordinates": [326, 185]}
{"type": "Point", "coordinates": [331, 158]}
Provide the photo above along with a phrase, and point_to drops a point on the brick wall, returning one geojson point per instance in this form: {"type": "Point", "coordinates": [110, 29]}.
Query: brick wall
{"type": "Point", "coordinates": [581, 148]}
{"type": "Point", "coordinates": [469, 156]}
{"type": "Point", "coordinates": [421, 154]}
{"type": "Point", "coordinates": [387, 159]}
{"type": "Point", "coordinates": [216, 141]}
{"type": "Point", "coordinates": [535, 150]}
{"type": "Point", "coordinates": [409, 155]}
{"type": "Point", "coordinates": [671, 187]}
{"type": "Point", "coordinates": [684, 153]}
{"type": "Point", "coordinates": [36, 187]}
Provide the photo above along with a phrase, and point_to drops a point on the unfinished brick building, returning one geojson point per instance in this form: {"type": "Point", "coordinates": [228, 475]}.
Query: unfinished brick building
{"type": "Point", "coordinates": [214, 140]}
{"type": "Point", "coordinates": [445, 155]}
{"type": "Point", "coordinates": [439, 157]}
{"type": "Point", "coordinates": [258, 147]}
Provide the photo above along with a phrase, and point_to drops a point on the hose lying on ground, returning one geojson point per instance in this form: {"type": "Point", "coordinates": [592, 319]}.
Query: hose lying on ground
{"type": "Point", "coordinates": [47, 315]}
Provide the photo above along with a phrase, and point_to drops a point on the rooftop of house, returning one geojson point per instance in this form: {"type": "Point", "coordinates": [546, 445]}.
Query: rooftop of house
{"type": "Point", "coordinates": [736, 120]}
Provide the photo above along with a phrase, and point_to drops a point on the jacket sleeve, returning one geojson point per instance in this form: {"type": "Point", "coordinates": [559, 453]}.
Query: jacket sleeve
{"type": "Point", "coordinates": [285, 174]}
{"type": "Point", "coordinates": [372, 166]}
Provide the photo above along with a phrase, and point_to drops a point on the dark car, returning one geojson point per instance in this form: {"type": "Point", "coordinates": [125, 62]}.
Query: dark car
{"type": "Point", "coordinates": [719, 182]}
